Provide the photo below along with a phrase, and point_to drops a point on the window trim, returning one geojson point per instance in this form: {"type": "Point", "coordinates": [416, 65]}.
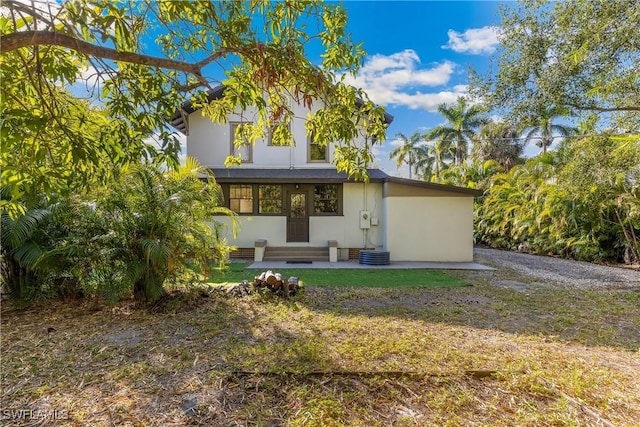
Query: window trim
{"type": "Point", "coordinates": [326, 151]}
{"type": "Point", "coordinates": [232, 137]}
{"type": "Point", "coordinates": [227, 197]}
{"type": "Point", "coordinates": [339, 204]}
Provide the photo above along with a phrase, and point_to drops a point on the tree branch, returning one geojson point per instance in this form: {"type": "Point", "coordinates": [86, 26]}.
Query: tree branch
{"type": "Point", "coordinates": [604, 109]}
{"type": "Point", "coordinates": [11, 42]}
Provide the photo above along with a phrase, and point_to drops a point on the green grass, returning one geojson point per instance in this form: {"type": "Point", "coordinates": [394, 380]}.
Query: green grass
{"type": "Point", "coordinates": [375, 278]}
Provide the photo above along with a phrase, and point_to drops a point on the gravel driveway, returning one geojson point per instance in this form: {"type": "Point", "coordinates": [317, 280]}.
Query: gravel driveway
{"type": "Point", "coordinates": [557, 271]}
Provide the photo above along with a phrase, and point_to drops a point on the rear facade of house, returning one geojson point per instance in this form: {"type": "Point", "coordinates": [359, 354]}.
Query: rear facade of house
{"type": "Point", "coordinates": [292, 203]}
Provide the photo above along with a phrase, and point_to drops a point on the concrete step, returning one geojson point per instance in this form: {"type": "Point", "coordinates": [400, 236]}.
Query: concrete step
{"type": "Point", "coordinates": [296, 254]}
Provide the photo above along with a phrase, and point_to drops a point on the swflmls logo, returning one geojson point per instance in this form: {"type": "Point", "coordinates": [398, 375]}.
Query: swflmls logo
{"type": "Point", "coordinates": [30, 414]}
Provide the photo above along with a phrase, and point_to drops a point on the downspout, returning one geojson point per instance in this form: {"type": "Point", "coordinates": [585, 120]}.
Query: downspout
{"type": "Point", "coordinates": [365, 234]}
{"type": "Point", "coordinates": [292, 147]}
{"type": "Point", "coordinates": [364, 208]}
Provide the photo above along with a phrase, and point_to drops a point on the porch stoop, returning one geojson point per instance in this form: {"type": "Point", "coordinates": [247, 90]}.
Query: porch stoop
{"type": "Point", "coordinates": [296, 254]}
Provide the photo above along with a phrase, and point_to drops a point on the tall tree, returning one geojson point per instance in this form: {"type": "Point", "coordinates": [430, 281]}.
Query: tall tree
{"type": "Point", "coordinates": [260, 48]}
{"type": "Point", "coordinates": [462, 121]}
{"type": "Point", "coordinates": [581, 55]}
{"type": "Point", "coordinates": [542, 129]}
{"type": "Point", "coordinates": [500, 142]}
{"type": "Point", "coordinates": [409, 152]}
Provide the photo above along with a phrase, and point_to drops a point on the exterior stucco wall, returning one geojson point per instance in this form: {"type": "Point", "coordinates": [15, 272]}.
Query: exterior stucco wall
{"type": "Point", "coordinates": [345, 229]}
{"type": "Point", "coordinates": [210, 143]}
{"type": "Point", "coordinates": [430, 228]}
{"type": "Point", "coordinates": [359, 197]}
{"type": "Point", "coordinates": [325, 228]}
{"type": "Point", "coordinates": [271, 228]}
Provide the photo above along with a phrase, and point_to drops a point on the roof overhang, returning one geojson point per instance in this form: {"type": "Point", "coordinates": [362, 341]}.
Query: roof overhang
{"type": "Point", "coordinates": [410, 187]}
{"type": "Point", "coordinates": [291, 176]}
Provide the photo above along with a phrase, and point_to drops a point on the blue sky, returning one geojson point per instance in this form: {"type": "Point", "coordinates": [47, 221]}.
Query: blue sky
{"type": "Point", "coordinates": [418, 54]}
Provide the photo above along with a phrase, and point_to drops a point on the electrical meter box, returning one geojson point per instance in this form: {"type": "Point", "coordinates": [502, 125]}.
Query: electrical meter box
{"type": "Point", "coordinates": [365, 219]}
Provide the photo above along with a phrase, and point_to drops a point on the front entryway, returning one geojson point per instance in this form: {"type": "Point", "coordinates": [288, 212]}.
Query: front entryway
{"type": "Point", "coordinates": [297, 216]}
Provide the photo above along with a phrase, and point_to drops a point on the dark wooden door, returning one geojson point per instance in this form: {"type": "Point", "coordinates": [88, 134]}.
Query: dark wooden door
{"type": "Point", "coordinates": [298, 217]}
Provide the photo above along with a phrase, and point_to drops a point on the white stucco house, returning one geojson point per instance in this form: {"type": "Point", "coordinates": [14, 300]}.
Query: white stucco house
{"type": "Point", "coordinates": [293, 205]}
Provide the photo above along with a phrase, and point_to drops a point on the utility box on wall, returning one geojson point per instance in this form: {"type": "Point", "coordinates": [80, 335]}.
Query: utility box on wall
{"type": "Point", "coordinates": [365, 219]}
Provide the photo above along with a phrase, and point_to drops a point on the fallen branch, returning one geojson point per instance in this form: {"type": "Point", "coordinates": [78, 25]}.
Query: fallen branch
{"type": "Point", "coordinates": [366, 374]}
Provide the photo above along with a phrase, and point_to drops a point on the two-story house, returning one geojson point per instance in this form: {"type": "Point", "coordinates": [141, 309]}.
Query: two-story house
{"type": "Point", "coordinates": [293, 204]}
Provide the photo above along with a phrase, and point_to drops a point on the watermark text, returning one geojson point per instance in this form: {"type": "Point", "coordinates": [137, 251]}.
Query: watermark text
{"type": "Point", "coordinates": [7, 414]}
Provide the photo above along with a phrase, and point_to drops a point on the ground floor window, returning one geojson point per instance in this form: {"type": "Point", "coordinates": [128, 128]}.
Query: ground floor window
{"type": "Point", "coordinates": [274, 199]}
{"type": "Point", "coordinates": [270, 199]}
{"type": "Point", "coordinates": [325, 199]}
{"type": "Point", "coordinates": [241, 198]}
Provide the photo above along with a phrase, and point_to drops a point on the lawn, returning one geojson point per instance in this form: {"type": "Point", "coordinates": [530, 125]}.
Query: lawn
{"type": "Point", "coordinates": [479, 354]}
{"type": "Point", "coordinates": [379, 278]}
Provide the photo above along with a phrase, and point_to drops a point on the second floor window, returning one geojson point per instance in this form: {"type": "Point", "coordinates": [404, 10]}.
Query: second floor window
{"type": "Point", "coordinates": [278, 131]}
{"type": "Point", "coordinates": [317, 152]}
{"type": "Point", "coordinates": [245, 150]}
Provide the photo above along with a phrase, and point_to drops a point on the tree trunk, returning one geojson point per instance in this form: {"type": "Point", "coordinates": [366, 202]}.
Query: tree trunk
{"type": "Point", "coordinates": [149, 288]}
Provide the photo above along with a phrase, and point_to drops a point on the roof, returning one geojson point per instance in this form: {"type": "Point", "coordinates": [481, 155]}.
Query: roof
{"type": "Point", "coordinates": [179, 118]}
{"type": "Point", "coordinates": [434, 186]}
{"type": "Point", "coordinates": [301, 176]}
{"type": "Point", "coordinates": [325, 175]}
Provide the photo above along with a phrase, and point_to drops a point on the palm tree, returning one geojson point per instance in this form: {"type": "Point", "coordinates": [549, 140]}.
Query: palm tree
{"type": "Point", "coordinates": [408, 152]}
{"type": "Point", "coordinates": [442, 151]}
{"type": "Point", "coordinates": [160, 219]}
{"type": "Point", "coordinates": [462, 121]}
{"type": "Point", "coordinates": [425, 162]}
{"type": "Point", "coordinates": [540, 126]}
{"type": "Point", "coordinates": [29, 251]}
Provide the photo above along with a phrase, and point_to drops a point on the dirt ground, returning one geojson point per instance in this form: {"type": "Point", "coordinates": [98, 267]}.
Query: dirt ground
{"type": "Point", "coordinates": [537, 342]}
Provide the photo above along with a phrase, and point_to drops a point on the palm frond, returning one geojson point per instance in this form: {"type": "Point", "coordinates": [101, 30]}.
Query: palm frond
{"type": "Point", "coordinates": [21, 229]}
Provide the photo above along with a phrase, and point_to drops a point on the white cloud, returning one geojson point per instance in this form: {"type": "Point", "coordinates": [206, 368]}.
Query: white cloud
{"type": "Point", "coordinates": [419, 100]}
{"type": "Point", "coordinates": [474, 40]}
{"type": "Point", "coordinates": [46, 8]}
{"type": "Point", "coordinates": [496, 118]}
{"type": "Point", "coordinates": [396, 142]}
{"type": "Point", "coordinates": [401, 69]}
{"type": "Point", "coordinates": [92, 78]}
{"type": "Point", "coordinates": [401, 79]}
